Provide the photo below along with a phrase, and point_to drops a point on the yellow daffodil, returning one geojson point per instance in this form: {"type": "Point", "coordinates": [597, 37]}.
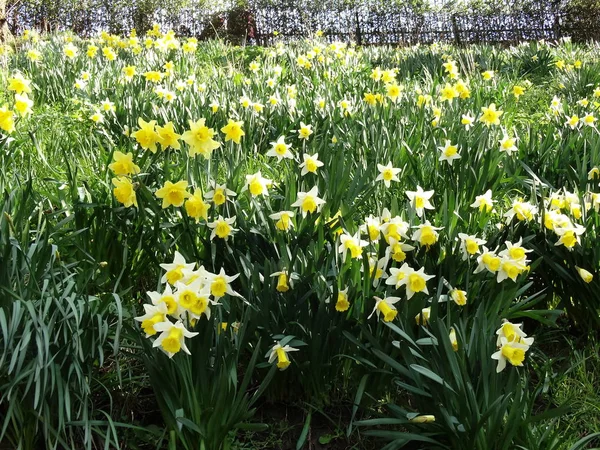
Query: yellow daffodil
{"type": "Point", "coordinates": [124, 191]}
{"type": "Point", "coordinates": [196, 208]}
{"type": "Point", "coordinates": [233, 131]}
{"type": "Point", "coordinates": [146, 136]}
{"type": "Point", "coordinates": [123, 164]}
{"type": "Point", "coordinates": [279, 353]}
{"type": "Point", "coordinates": [173, 193]}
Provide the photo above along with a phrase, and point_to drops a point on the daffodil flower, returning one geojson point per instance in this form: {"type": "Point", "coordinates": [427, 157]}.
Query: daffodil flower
{"type": "Point", "coordinates": [310, 164]}
{"type": "Point", "coordinates": [342, 304]}
{"type": "Point", "coordinates": [449, 152]}
{"type": "Point", "coordinates": [469, 245]}
{"type": "Point", "coordinates": [279, 353]}
{"type": "Point", "coordinates": [385, 306]}
{"type": "Point", "coordinates": [219, 194]}
{"type": "Point", "coordinates": [484, 201]}
{"type": "Point", "coordinates": [426, 234]}
{"type": "Point", "coordinates": [351, 243]}
{"type": "Point", "coordinates": [585, 275]}
{"type": "Point", "coordinates": [419, 200]}
{"type": "Point", "coordinates": [280, 150]}
{"type": "Point", "coordinates": [512, 352]}
{"type": "Point", "coordinates": [178, 270]}
{"type": "Point", "coordinates": [308, 202]}
{"type": "Point", "coordinates": [387, 173]}
{"type": "Point", "coordinates": [222, 227]}
{"type": "Point", "coordinates": [172, 337]}
{"type": "Point", "coordinates": [153, 314]}
{"type": "Point", "coordinates": [257, 184]}
{"type": "Point", "coordinates": [167, 298]}
{"type": "Point", "coordinates": [220, 284]}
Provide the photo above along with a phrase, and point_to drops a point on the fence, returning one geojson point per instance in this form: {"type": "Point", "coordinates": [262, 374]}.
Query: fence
{"type": "Point", "coordinates": [366, 22]}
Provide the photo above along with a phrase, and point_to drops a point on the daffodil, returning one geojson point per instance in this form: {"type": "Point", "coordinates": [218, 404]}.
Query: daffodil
{"type": "Point", "coordinates": [372, 227]}
{"type": "Point", "coordinates": [449, 152]}
{"type": "Point", "coordinates": [469, 245]}
{"type": "Point", "coordinates": [92, 51]}
{"type": "Point", "coordinates": [393, 91]}
{"type": "Point", "coordinates": [124, 191]}
{"type": "Point", "coordinates": [459, 297]}
{"type": "Point", "coordinates": [387, 174]}
{"type": "Point", "coordinates": [146, 136]}
{"type": "Point", "coordinates": [107, 105]}
{"type": "Point", "coordinates": [419, 200]}
{"type": "Point", "coordinates": [507, 144]}
{"type": "Point", "coordinates": [257, 185]}
{"type": "Point", "coordinates": [196, 207]}
{"type": "Point", "coordinates": [167, 298]}
{"type": "Point", "coordinates": [589, 120]}
{"type": "Point", "coordinates": [19, 84]}
{"type": "Point", "coordinates": [585, 275]}
{"type": "Point", "coordinates": [70, 51]}
{"type": "Point", "coordinates": [351, 243]}
{"type": "Point", "coordinates": [509, 268]}
{"type": "Point", "coordinates": [426, 234]}
{"type": "Point", "coordinates": [219, 194]}
{"type": "Point", "coordinates": [167, 137]}
{"type": "Point", "coordinates": [305, 131]}
{"type": "Point", "coordinates": [220, 284]}
{"type": "Point", "coordinates": [283, 220]}
{"type": "Point", "coordinates": [23, 104]}
{"type": "Point", "coordinates": [197, 299]}
{"type": "Point", "coordinates": [423, 317]}
{"type": "Point", "coordinates": [524, 211]}
{"type": "Point", "coordinates": [484, 202]}
{"type": "Point", "coordinates": [342, 303]}
{"type": "Point", "coordinates": [490, 115]}
{"type": "Point", "coordinates": [97, 117]}
{"type": "Point", "coordinates": [310, 163]}
{"type": "Point", "coordinates": [517, 91]}
{"type": "Point", "coordinates": [279, 353]}
{"type": "Point", "coordinates": [385, 306]}
{"type": "Point", "coordinates": [453, 340]}
{"type": "Point", "coordinates": [233, 131]}
{"type": "Point", "coordinates": [569, 236]}
{"type": "Point", "coordinates": [173, 193]}
{"type": "Point", "coordinates": [397, 250]}
{"type": "Point", "coordinates": [280, 150]}
{"type": "Point", "coordinates": [448, 93]}
{"type": "Point", "coordinates": [488, 75]}
{"type": "Point", "coordinates": [467, 120]}
{"type": "Point", "coordinates": [488, 260]}
{"type": "Point", "coordinates": [395, 228]}
{"type": "Point", "coordinates": [308, 202]}
{"type": "Point", "coordinates": [123, 164]}
{"type": "Point", "coordinates": [176, 271]}
{"type": "Point", "coordinates": [172, 337]}
{"type": "Point", "coordinates": [284, 280]}
{"type": "Point", "coordinates": [222, 227]}
{"type": "Point", "coordinates": [515, 251]}
{"type": "Point", "coordinates": [512, 352]}
{"type": "Point", "coordinates": [200, 139]}
{"type": "Point", "coordinates": [128, 72]}
{"type": "Point", "coordinates": [7, 121]}
{"type": "Point", "coordinates": [414, 280]}
{"type": "Point", "coordinates": [153, 314]}
{"type": "Point", "coordinates": [512, 332]}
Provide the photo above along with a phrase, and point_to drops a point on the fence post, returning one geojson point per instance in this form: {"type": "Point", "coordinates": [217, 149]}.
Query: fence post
{"type": "Point", "coordinates": [358, 32]}
{"type": "Point", "coordinates": [455, 29]}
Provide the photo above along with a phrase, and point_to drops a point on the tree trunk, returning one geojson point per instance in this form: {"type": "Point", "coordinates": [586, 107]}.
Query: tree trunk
{"type": "Point", "coordinates": [4, 32]}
